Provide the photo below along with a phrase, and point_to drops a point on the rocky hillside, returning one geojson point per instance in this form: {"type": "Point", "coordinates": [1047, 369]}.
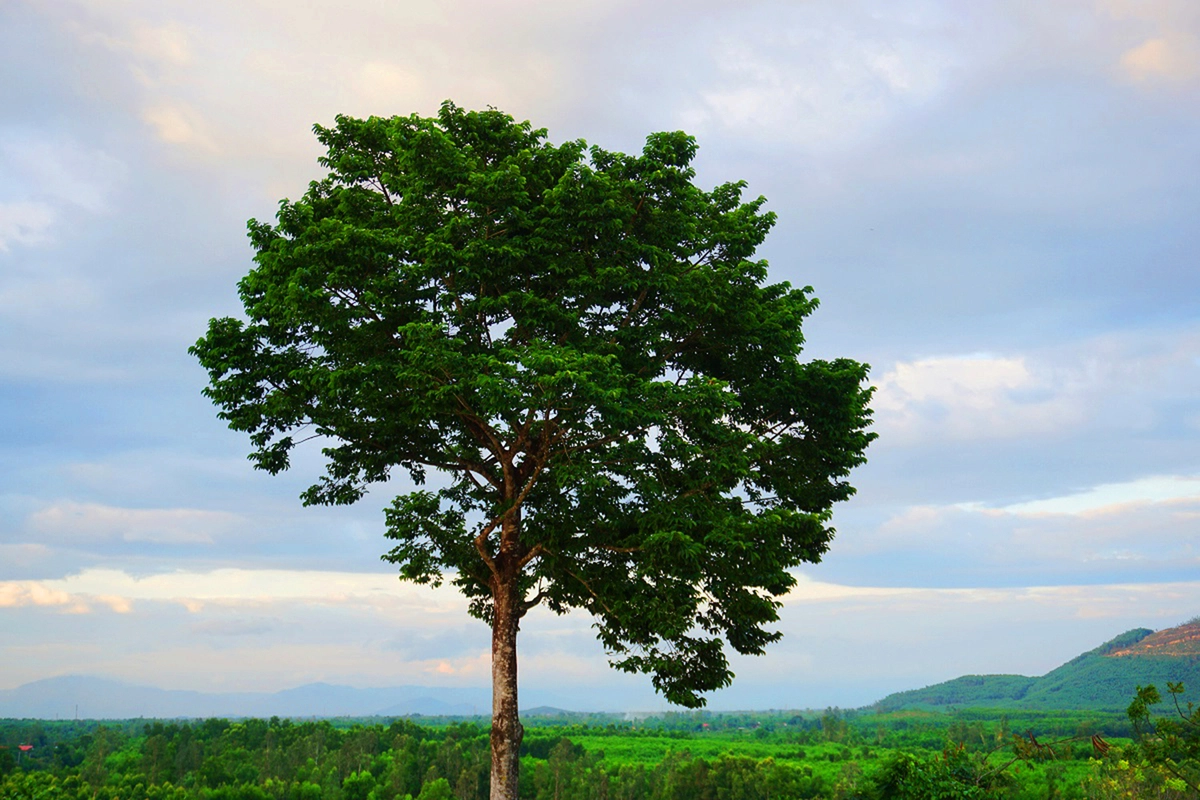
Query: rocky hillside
{"type": "Point", "coordinates": [1180, 642]}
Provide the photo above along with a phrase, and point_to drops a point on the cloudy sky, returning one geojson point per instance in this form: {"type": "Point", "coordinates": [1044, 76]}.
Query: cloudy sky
{"type": "Point", "coordinates": [995, 201]}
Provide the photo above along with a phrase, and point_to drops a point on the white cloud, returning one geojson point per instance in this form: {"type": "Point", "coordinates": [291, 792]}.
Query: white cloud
{"type": "Point", "coordinates": [247, 595]}
{"type": "Point", "coordinates": [971, 397]}
{"type": "Point", "coordinates": [24, 593]}
{"type": "Point", "coordinates": [387, 85]}
{"type": "Point", "coordinates": [282, 627]}
{"type": "Point", "coordinates": [1170, 50]}
{"type": "Point", "coordinates": [809, 590]}
{"type": "Point", "coordinates": [1125, 381]}
{"type": "Point", "coordinates": [162, 45]}
{"type": "Point", "coordinates": [235, 627]}
{"type": "Point", "coordinates": [817, 84]}
{"type": "Point", "coordinates": [69, 521]}
{"type": "Point", "coordinates": [936, 634]}
{"type": "Point", "coordinates": [1139, 531]}
{"type": "Point", "coordinates": [1104, 601]}
{"type": "Point", "coordinates": [1111, 497]}
{"type": "Point", "coordinates": [165, 44]}
{"type": "Point", "coordinates": [287, 628]}
{"type": "Point", "coordinates": [997, 104]}
{"type": "Point", "coordinates": [1161, 58]}
{"type": "Point", "coordinates": [120, 605]}
{"type": "Point", "coordinates": [258, 585]}
{"type": "Point", "coordinates": [45, 166]}
{"type": "Point", "coordinates": [47, 178]}
{"type": "Point", "coordinates": [176, 123]}
{"type": "Point", "coordinates": [24, 223]}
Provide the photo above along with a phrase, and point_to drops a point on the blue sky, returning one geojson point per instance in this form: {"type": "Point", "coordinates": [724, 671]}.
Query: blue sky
{"type": "Point", "coordinates": [996, 203]}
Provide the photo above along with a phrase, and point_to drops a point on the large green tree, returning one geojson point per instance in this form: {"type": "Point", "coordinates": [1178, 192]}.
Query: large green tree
{"type": "Point", "coordinates": [583, 346]}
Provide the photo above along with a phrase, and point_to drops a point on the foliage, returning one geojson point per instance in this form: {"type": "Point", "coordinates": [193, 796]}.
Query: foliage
{"type": "Point", "coordinates": [582, 343]}
{"type": "Point", "coordinates": [668, 757]}
{"type": "Point", "coordinates": [701, 754]}
{"type": "Point", "coordinates": [1170, 744]}
{"type": "Point", "coordinates": [989, 691]}
{"type": "Point", "coordinates": [949, 776]}
{"type": "Point", "coordinates": [1120, 779]}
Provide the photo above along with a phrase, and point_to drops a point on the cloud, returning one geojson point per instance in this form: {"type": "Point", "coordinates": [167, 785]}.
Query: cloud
{"type": "Point", "coordinates": [1092, 602]}
{"type": "Point", "coordinates": [816, 79]}
{"type": "Point", "coordinates": [386, 85]}
{"type": "Point", "coordinates": [72, 521]}
{"type": "Point", "coordinates": [232, 603]}
{"type": "Point", "coordinates": [809, 590]}
{"type": "Point", "coordinates": [291, 625]}
{"type": "Point", "coordinates": [1176, 60]}
{"type": "Point", "coordinates": [1072, 389]}
{"type": "Point", "coordinates": [16, 594]}
{"type": "Point", "coordinates": [932, 634]}
{"type": "Point", "coordinates": [477, 667]}
{"type": "Point", "coordinates": [178, 124]}
{"type": "Point", "coordinates": [23, 555]}
{"type": "Point", "coordinates": [1140, 530]}
{"type": "Point", "coordinates": [120, 605]}
{"type": "Point", "coordinates": [46, 179]}
{"type": "Point", "coordinates": [263, 586]}
{"type": "Point", "coordinates": [1170, 49]}
{"type": "Point", "coordinates": [161, 45]}
{"type": "Point", "coordinates": [47, 166]}
{"type": "Point", "coordinates": [1115, 497]}
{"type": "Point", "coordinates": [831, 633]}
{"type": "Point", "coordinates": [234, 627]}
{"type": "Point", "coordinates": [969, 397]}
{"type": "Point", "coordinates": [24, 223]}
{"type": "Point", "coordinates": [23, 593]}
{"type": "Point", "coordinates": [994, 211]}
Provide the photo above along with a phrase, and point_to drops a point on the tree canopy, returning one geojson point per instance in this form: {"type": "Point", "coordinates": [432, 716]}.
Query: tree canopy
{"type": "Point", "coordinates": [582, 347]}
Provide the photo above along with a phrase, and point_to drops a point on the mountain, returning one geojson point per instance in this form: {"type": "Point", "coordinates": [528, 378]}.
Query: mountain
{"type": "Point", "coordinates": [101, 698]}
{"type": "Point", "coordinates": [1102, 679]}
{"type": "Point", "coordinates": [1183, 641]}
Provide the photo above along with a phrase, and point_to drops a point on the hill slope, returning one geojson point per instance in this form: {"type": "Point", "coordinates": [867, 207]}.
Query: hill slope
{"type": "Point", "coordinates": [1103, 679]}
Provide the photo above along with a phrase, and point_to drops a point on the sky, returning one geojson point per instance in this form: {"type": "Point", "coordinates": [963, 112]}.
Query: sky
{"type": "Point", "coordinates": [995, 202]}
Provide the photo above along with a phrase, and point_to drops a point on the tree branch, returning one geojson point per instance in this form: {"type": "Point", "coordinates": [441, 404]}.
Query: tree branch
{"type": "Point", "coordinates": [533, 553]}
{"type": "Point", "coordinates": [528, 604]}
{"type": "Point", "coordinates": [481, 541]}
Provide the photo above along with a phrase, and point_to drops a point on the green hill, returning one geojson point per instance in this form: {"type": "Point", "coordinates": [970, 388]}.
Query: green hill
{"type": "Point", "coordinates": [1101, 679]}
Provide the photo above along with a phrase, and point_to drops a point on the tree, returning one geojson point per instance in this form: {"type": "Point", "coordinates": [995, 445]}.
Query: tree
{"type": "Point", "coordinates": [581, 345]}
{"type": "Point", "coordinates": [1169, 746]}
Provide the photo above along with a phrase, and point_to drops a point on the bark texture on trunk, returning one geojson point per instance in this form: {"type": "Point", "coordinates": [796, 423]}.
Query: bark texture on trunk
{"type": "Point", "coordinates": [506, 726]}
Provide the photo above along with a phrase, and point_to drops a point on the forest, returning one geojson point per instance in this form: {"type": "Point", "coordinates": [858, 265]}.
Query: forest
{"type": "Point", "coordinates": [865, 753]}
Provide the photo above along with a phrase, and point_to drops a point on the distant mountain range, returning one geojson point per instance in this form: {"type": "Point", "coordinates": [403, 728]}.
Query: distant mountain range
{"type": "Point", "coordinates": [1101, 679]}
{"type": "Point", "coordinates": [100, 698]}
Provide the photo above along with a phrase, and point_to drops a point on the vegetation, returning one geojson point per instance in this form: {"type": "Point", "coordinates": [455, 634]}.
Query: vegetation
{"type": "Point", "coordinates": [582, 344]}
{"type": "Point", "coordinates": [703, 755]}
{"type": "Point", "coordinates": [870, 753]}
{"type": "Point", "coordinates": [1168, 746]}
{"type": "Point", "coordinates": [1097, 679]}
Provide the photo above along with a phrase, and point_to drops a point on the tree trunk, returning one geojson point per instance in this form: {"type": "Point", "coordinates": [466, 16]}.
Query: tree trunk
{"type": "Point", "coordinates": [506, 727]}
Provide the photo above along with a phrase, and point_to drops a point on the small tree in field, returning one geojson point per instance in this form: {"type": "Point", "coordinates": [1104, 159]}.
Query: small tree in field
{"type": "Point", "coordinates": [582, 343]}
